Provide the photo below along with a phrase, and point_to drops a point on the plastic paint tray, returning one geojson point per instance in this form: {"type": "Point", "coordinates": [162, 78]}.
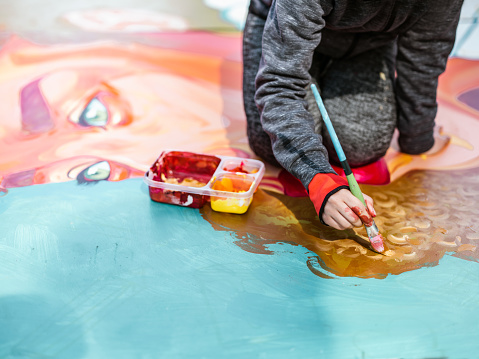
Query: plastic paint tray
{"type": "Point", "coordinates": [191, 179]}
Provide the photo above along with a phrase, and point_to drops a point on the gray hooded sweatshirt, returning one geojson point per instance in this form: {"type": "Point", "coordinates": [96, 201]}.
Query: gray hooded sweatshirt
{"type": "Point", "coordinates": [424, 31]}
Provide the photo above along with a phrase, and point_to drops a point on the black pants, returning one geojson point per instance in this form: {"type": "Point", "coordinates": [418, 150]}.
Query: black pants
{"type": "Point", "coordinates": [357, 90]}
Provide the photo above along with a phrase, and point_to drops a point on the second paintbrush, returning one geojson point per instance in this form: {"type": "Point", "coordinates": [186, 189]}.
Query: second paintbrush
{"type": "Point", "coordinates": [377, 241]}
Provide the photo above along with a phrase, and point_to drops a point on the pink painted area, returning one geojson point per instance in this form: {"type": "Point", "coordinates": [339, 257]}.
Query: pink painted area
{"type": "Point", "coordinates": [184, 92]}
{"type": "Point", "coordinates": [67, 170]}
{"type": "Point", "coordinates": [200, 42]}
{"type": "Point", "coordinates": [156, 98]}
{"type": "Point", "coordinates": [19, 179]}
{"type": "Point", "coordinates": [459, 120]}
{"type": "Point", "coordinates": [36, 116]}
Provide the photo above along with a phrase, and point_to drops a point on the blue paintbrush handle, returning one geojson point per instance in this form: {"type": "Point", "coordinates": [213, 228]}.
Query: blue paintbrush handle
{"type": "Point", "coordinates": [329, 125]}
{"type": "Point", "coordinates": [376, 239]}
{"type": "Point", "coordinates": [353, 184]}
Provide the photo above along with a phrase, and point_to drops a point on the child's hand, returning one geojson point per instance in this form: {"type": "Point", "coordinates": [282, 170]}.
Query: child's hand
{"type": "Point", "coordinates": [343, 210]}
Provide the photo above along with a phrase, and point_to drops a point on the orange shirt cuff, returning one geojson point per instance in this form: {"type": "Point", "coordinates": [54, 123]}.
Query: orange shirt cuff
{"type": "Point", "coordinates": [323, 186]}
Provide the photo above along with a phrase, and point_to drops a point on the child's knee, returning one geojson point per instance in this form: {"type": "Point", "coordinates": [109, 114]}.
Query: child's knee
{"type": "Point", "coordinates": [367, 152]}
{"type": "Point", "coordinates": [359, 150]}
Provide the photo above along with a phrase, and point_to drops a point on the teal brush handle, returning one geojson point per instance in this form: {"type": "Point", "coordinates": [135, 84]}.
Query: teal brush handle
{"type": "Point", "coordinates": [377, 241]}
{"type": "Point", "coordinates": [353, 184]}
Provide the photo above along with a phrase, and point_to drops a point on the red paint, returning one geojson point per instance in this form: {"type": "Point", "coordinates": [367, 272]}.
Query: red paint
{"type": "Point", "coordinates": [181, 166]}
{"type": "Point", "coordinates": [239, 168]}
{"type": "Point", "coordinates": [364, 216]}
{"type": "Point", "coordinates": [351, 214]}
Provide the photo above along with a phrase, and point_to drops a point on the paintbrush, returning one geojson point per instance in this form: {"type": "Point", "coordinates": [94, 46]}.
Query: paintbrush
{"type": "Point", "coordinates": [377, 241]}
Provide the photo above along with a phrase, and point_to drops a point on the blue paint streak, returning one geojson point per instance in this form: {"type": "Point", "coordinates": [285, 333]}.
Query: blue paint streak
{"type": "Point", "coordinates": [114, 275]}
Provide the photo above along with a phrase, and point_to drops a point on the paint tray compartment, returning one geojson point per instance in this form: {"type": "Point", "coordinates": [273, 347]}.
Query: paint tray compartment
{"type": "Point", "coordinates": [237, 183]}
{"type": "Point", "coordinates": [191, 179]}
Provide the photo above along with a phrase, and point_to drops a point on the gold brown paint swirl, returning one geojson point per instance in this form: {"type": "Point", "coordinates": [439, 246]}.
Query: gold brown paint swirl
{"type": "Point", "coordinates": [423, 215]}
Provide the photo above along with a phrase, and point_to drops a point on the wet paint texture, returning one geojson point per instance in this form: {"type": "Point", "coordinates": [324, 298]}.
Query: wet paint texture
{"type": "Point", "coordinates": [419, 223]}
{"type": "Point", "coordinates": [378, 243]}
{"type": "Point", "coordinates": [149, 279]}
{"type": "Point", "coordinates": [184, 168]}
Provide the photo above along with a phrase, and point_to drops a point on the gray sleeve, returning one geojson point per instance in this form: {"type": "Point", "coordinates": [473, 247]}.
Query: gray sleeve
{"type": "Point", "coordinates": [422, 56]}
{"type": "Point", "coordinates": [291, 34]}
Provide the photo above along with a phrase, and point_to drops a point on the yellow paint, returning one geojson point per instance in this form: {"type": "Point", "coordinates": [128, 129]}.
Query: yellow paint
{"type": "Point", "coordinates": [187, 182]}
{"type": "Point", "coordinates": [230, 205]}
{"type": "Point", "coordinates": [400, 160]}
{"type": "Point", "coordinates": [408, 229]}
{"type": "Point", "coordinates": [460, 142]}
{"type": "Point", "coordinates": [467, 247]}
{"type": "Point", "coordinates": [233, 183]}
{"type": "Point", "coordinates": [341, 262]}
{"type": "Point", "coordinates": [397, 239]}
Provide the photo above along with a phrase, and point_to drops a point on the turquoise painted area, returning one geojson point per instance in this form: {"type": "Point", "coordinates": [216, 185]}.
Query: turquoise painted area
{"type": "Point", "coordinates": [100, 271]}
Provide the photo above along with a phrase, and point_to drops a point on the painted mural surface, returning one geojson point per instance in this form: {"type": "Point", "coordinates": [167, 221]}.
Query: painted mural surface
{"type": "Point", "coordinates": [91, 268]}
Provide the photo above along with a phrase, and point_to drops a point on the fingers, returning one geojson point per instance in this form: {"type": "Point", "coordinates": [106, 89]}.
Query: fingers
{"type": "Point", "coordinates": [338, 222]}
{"type": "Point", "coordinates": [363, 214]}
{"type": "Point", "coordinates": [370, 205]}
{"type": "Point", "coordinates": [343, 211]}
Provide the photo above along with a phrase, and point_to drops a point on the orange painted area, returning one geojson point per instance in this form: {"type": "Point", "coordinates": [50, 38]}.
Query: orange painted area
{"type": "Point", "coordinates": [235, 184]}
{"type": "Point", "coordinates": [156, 98]}
{"type": "Point", "coordinates": [184, 94]}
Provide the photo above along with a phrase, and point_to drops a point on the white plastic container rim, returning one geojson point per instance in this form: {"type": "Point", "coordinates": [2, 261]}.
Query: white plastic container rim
{"type": "Point", "coordinates": [207, 190]}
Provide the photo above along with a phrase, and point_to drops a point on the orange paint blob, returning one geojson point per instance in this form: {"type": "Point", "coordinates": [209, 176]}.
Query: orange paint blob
{"type": "Point", "coordinates": [237, 184]}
